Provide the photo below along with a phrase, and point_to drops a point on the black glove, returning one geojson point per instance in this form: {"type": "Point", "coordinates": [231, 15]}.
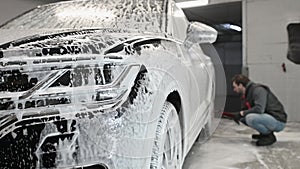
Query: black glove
{"type": "Point", "coordinates": [236, 117]}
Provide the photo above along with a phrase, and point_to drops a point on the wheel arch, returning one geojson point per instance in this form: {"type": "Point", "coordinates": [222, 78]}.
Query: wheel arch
{"type": "Point", "coordinates": [175, 99]}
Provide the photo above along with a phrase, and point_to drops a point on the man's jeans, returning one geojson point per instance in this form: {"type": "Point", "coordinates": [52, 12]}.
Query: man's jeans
{"type": "Point", "coordinates": [264, 123]}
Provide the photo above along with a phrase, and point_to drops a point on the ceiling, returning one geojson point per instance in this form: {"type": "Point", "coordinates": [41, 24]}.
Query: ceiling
{"type": "Point", "coordinates": [217, 14]}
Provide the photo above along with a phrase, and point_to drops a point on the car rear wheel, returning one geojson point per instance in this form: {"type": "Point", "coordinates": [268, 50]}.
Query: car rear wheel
{"type": "Point", "coordinates": [167, 148]}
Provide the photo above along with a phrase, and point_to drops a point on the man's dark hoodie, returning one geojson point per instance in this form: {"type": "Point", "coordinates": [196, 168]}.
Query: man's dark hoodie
{"type": "Point", "coordinates": [262, 100]}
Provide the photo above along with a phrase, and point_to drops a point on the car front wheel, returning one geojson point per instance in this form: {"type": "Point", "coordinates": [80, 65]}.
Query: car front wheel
{"type": "Point", "coordinates": [167, 148]}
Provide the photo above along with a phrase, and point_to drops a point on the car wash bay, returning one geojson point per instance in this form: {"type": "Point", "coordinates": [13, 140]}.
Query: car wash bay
{"type": "Point", "coordinates": [260, 51]}
{"type": "Point", "coordinates": [264, 43]}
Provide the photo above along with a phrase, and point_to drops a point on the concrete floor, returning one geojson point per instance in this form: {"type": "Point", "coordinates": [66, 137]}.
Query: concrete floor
{"type": "Point", "coordinates": [231, 147]}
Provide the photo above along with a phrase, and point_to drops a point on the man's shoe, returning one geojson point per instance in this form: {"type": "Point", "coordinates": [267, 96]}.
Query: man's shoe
{"type": "Point", "coordinates": [266, 140]}
{"type": "Point", "coordinates": [256, 136]}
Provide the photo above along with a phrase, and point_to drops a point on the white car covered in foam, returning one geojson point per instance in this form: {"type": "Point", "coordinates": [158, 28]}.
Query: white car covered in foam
{"type": "Point", "coordinates": [103, 84]}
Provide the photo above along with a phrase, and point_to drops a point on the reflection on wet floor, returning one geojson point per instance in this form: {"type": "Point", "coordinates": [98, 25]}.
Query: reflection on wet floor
{"type": "Point", "coordinates": [231, 147]}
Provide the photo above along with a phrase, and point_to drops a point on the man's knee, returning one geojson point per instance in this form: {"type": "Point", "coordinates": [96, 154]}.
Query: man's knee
{"type": "Point", "coordinates": [251, 119]}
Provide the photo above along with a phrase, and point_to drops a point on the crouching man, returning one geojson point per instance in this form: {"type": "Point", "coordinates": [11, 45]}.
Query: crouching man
{"type": "Point", "coordinates": [262, 112]}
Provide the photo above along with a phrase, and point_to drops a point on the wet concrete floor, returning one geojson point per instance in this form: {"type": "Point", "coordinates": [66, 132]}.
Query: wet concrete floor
{"type": "Point", "coordinates": [231, 147]}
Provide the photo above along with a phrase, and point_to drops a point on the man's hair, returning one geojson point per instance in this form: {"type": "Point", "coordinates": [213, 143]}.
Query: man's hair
{"type": "Point", "coordinates": [240, 79]}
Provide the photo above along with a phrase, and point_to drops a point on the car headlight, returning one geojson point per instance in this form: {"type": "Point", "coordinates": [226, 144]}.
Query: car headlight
{"type": "Point", "coordinates": [84, 79]}
{"type": "Point", "coordinates": [116, 82]}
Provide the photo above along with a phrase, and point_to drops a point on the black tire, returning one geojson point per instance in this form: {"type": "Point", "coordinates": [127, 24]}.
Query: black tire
{"type": "Point", "coordinates": [167, 148]}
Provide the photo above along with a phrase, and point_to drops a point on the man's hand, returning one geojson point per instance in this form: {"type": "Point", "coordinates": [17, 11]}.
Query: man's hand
{"type": "Point", "coordinates": [237, 117]}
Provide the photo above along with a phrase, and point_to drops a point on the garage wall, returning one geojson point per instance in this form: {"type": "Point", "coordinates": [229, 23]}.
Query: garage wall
{"type": "Point", "coordinates": [265, 49]}
{"type": "Point", "coordinates": [231, 56]}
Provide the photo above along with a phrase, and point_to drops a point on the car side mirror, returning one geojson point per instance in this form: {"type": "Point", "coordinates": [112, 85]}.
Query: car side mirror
{"type": "Point", "coordinates": [199, 33]}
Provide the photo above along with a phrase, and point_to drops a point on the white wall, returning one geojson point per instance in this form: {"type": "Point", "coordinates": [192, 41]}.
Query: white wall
{"type": "Point", "coordinates": [265, 49]}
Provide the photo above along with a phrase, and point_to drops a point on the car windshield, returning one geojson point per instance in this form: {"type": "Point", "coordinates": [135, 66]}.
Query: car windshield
{"type": "Point", "coordinates": [144, 15]}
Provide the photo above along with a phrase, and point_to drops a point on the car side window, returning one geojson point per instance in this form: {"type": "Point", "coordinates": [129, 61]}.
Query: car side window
{"type": "Point", "coordinates": [293, 30]}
